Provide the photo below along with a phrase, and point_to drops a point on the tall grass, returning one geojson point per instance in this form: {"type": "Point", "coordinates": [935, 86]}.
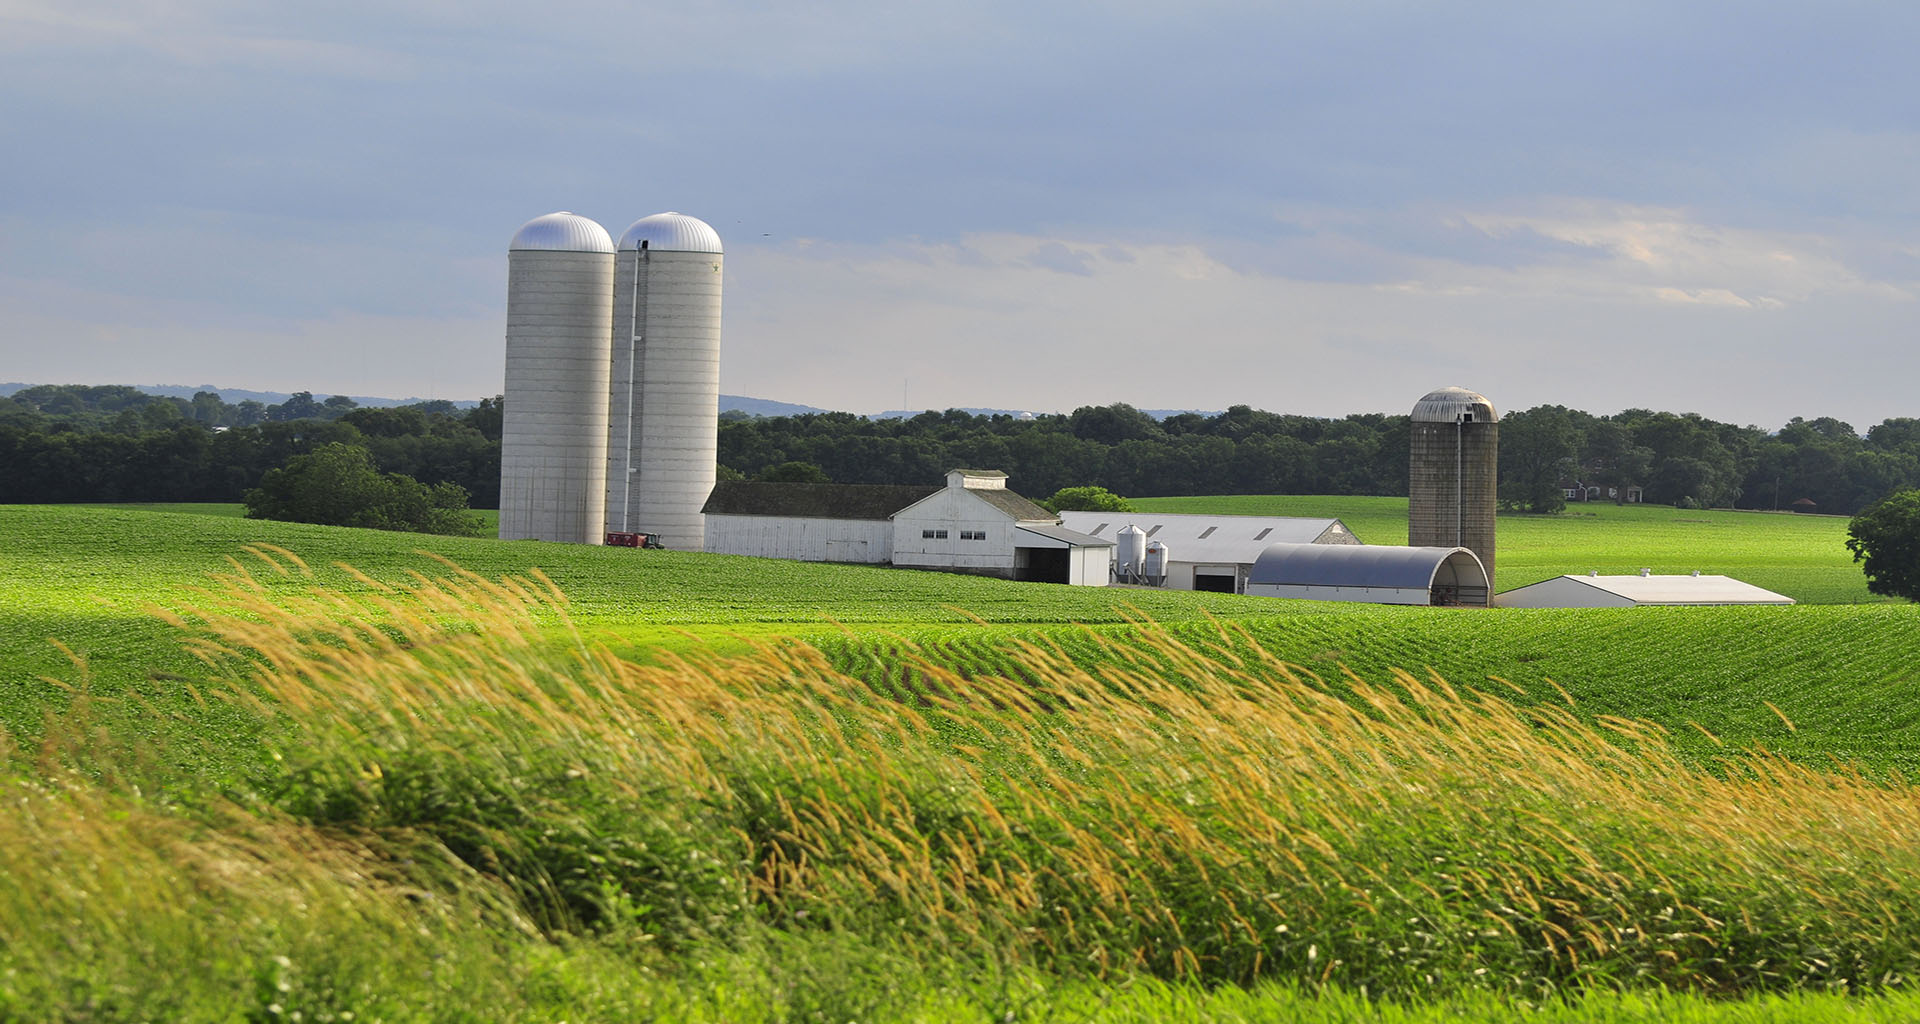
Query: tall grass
{"type": "Point", "coordinates": [450, 787]}
{"type": "Point", "coordinates": [1185, 812]}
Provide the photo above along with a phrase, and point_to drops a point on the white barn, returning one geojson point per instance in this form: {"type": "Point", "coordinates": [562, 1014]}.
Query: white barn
{"type": "Point", "coordinates": [1211, 552]}
{"type": "Point", "coordinates": [972, 525]}
{"type": "Point", "coordinates": [1597, 591]}
{"type": "Point", "coordinates": [806, 522]}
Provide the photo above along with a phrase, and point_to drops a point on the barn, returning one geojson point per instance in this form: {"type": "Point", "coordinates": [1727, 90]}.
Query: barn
{"type": "Point", "coordinates": [806, 522]}
{"type": "Point", "coordinates": [1596, 591]}
{"type": "Point", "coordinates": [1203, 552]}
{"type": "Point", "coordinates": [973, 525]}
{"type": "Point", "coordinates": [1377, 574]}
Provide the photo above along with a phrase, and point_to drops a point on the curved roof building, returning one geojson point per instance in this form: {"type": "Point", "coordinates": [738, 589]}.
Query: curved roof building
{"type": "Point", "coordinates": [1379, 574]}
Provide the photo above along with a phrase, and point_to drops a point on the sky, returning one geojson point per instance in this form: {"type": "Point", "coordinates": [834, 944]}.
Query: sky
{"type": "Point", "coordinates": [1314, 208]}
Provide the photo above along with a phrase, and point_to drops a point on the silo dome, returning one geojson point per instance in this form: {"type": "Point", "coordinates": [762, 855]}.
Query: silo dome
{"type": "Point", "coordinates": [1454, 405]}
{"type": "Point", "coordinates": [671, 232]}
{"type": "Point", "coordinates": [562, 232]}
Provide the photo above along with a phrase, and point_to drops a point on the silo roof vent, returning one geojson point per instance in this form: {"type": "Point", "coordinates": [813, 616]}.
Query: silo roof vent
{"type": "Point", "coordinates": [1454, 405]}
{"type": "Point", "coordinates": [562, 232]}
{"type": "Point", "coordinates": [671, 232]}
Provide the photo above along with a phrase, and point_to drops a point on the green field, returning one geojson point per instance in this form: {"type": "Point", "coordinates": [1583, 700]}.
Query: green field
{"type": "Point", "coordinates": [165, 780]}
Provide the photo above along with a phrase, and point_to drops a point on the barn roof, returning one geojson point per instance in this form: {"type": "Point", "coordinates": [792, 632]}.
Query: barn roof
{"type": "Point", "coordinates": [1064, 536]}
{"type": "Point", "coordinates": [813, 501]}
{"type": "Point", "coordinates": [1647, 589]}
{"type": "Point", "coordinates": [1352, 565]}
{"type": "Point", "coordinates": [1012, 504]}
{"type": "Point", "coordinates": [1219, 539]}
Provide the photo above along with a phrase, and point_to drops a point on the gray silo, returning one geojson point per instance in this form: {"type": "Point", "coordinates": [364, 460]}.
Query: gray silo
{"type": "Point", "coordinates": [664, 400]}
{"type": "Point", "coordinates": [553, 444]}
{"type": "Point", "coordinates": [1454, 481]}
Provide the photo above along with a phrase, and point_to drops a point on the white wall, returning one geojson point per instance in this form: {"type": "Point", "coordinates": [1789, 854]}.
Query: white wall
{"type": "Point", "coordinates": [801, 539]}
{"type": "Point", "coordinates": [954, 511]}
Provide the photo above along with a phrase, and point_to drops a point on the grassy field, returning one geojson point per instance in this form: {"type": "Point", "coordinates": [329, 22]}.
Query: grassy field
{"type": "Point", "coordinates": [462, 819]}
{"type": "Point", "coordinates": [671, 859]}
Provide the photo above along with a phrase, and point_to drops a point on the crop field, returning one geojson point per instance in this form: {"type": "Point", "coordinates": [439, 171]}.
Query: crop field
{"type": "Point", "coordinates": [824, 797]}
{"type": "Point", "coordinates": [461, 812]}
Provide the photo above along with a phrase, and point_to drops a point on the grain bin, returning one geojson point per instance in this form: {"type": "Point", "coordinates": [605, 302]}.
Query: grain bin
{"type": "Point", "coordinates": [1454, 477]}
{"type": "Point", "coordinates": [553, 444]}
{"type": "Point", "coordinates": [1129, 552]}
{"type": "Point", "coordinates": [663, 397]}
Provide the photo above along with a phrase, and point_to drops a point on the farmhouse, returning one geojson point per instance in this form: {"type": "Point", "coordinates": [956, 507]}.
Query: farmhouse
{"type": "Point", "coordinates": [1377, 574]}
{"type": "Point", "coordinates": [1596, 591]}
{"type": "Point", "coordinates": [1201, 552]}
{"type": "Point", "coordinates": [973, 525]}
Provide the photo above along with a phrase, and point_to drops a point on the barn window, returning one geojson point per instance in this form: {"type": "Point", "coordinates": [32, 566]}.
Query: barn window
{"type": "Point", "coordinates": [933, 535]}
{"type": "Point", "coordinates": [973, 535]}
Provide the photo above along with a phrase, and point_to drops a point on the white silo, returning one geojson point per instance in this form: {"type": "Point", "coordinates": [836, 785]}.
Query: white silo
{"type": "Point", "coordinates": [664, 398]}
{"type": "Point", "coordinates": [1129, 551]}
{"type": "Point", "coordinates": [553, 442]}
{"type": "Point", "coordinates": [1155, 566]}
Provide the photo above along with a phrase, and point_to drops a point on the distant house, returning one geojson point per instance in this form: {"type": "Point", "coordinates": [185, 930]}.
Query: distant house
{"type": "Point", "coordinates": [973, 525]}
{"type": "Point", "coordinates": [1576, 490]}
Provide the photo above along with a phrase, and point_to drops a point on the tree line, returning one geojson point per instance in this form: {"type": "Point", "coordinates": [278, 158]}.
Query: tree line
{"type": "Point", "coordinates": [68, 443]}
{"type": "Point", "coordinates": [65, 443]}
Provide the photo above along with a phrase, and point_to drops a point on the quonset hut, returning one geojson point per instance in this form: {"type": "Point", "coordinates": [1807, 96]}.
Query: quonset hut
{"type": "Point", "coordinates": [553, 438]}
{"type": "Point", "coordinates": [1454, 479]}
{"type": "Point", "coordinates": [1377, 574]}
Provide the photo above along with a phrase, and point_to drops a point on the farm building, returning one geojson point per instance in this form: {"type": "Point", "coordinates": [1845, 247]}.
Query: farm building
{"type": "Point", "coordinates": [1201, 552]}
{"type": "Point", "coordinates": [1597, 591]}
{"type": "Point", "coordinates": [807, 522]}
{"type": "Point", "coordinates": [974, 525]}
{"type": "Point", "coordinates": [1377, 574]}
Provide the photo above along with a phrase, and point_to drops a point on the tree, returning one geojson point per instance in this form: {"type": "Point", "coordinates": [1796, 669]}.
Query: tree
{"type": "Point", "coordinates": [1086, 499]}
{"type": "Point", "coordinates": [339, 485]}
{"type": "Point", "coordinates": [1537, 449]}
{"type": "Point", "coordinates": [794, 473]}
{"type": "Point", "coordinates": [1887, 538]}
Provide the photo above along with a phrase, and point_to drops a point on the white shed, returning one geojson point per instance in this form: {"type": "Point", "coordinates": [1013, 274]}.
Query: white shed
{"type": "Point", "coordinates": [1377, 574]}
{"type": "Point", "coordinates": [1597, 591]}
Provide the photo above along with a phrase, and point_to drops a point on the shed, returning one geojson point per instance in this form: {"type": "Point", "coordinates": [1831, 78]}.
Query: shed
{"type": "Point", "coordinates": [1378, 574]}
{"type": "Point", "coordinates": [1596, 591]}
{"type": "Point", "coordinates": [976, 525]}
{"type": "Point", "coordinates": [1209, 552]}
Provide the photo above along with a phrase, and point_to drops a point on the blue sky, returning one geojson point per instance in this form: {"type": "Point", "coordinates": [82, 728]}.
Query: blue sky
{"type": "Point", "coordinates": [1314, 208]}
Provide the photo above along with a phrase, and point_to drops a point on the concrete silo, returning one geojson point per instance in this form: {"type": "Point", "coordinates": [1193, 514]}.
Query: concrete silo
{"type": "Point", "coordinates": [1454, 481]}
{"type": "Point", "coordinates": [664, 400]}
{"type": "Point", "coordinates": [553, 445]}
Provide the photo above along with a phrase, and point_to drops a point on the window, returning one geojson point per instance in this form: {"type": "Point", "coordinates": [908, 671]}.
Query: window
{"type": "Point", "coordinates": [1208, 532]}
{"type": "Point", "coordinates": [973, 535]}
{"type": "Point", "coordinates": [933, 535]}
{"type": "Point", "coordinates": [1262, 535]}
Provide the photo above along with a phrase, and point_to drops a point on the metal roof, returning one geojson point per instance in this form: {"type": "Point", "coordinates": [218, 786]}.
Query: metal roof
{"type": "Point", "coordinates": [1659, 589]}
{"type": "Point", "coordinates": [1448, 405]}
{"type": "Point", "coordinates": [812, 501]}
{"type": "Point", "coordinates": [1233, 539]}
{"type": "Point", "coordinates": [1354, 565]}
{"type": "Point", "coordinates": [671, 232]}
{"type": "Point", "coordinates": [1071, 538]}
{"type": "Point", "coordinates": [562, 232]}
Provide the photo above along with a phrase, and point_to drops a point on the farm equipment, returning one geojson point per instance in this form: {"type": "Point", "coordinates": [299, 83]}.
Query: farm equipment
{"type": "Point", "coordinates": [634, 540]}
